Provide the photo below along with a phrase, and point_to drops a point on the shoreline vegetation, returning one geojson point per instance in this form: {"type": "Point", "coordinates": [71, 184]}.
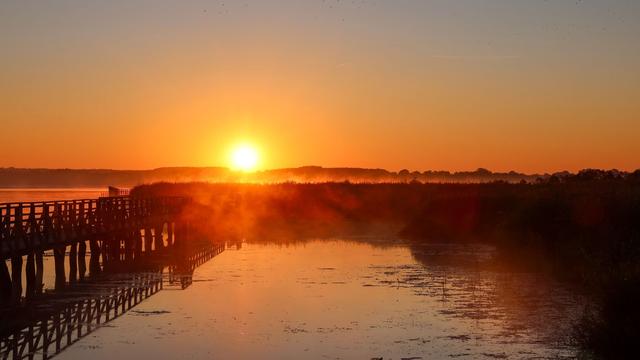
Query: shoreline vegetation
{"type": "Point", "coordinates": [583, 229]}
{"type": "Point", "coordinates": [88, 178]}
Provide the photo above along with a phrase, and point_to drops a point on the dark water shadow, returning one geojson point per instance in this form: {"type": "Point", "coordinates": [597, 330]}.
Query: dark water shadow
{"type": "Point", "coordinates": [44, 326]}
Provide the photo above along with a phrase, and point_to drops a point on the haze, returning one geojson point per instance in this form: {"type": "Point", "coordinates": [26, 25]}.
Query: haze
{"type": "Point", "coordinates": [532, 86]}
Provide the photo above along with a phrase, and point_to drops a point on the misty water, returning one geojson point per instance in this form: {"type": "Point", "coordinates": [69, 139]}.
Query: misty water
{"type": "Point", "coordinates": [342, 298]}
{"type": "Point", "coordinates": [48, 194]}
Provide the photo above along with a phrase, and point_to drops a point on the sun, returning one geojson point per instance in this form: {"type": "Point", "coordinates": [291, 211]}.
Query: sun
{"type": "Point", "coordinates": [244, 157]}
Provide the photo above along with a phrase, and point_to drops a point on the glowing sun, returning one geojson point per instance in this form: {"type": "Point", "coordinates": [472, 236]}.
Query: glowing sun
{"type": "Point", "coordinates": [244, 157]}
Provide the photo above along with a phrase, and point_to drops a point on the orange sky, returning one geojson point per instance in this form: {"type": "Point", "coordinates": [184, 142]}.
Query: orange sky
{"type": "Point", "coordinates": [526, 86]}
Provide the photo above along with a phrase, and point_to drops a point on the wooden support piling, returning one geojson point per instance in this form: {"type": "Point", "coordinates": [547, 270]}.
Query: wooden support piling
{"type": "Point", "coordinates": [82, 265]}
{"type": "Point", "coordinates": [114, 249]}
{"type": "Point", "coordinates": [105, 247]}
{"type": "Point", "coordinates": [30, 270]}
{"type": "Point", "coordinates": [128, 246]}
{"type": "Point", "coordinates": [159, 241]}
{"type": "Point", "coordinates": [137, 238]}
{"type": "Point", "coordinates": [5, 283]}
{"type": "Point", "coordinates": [148, 240]}
{"type": "Point", "coordinates": [58, 258]}
{"type": "Point", "coordinates": [170, 238]}
{"type": "Point", "coordinates": [73, 262]}
{"type": "Point", "coordinates": [104, 253]}
{"type": "Point", "coordinates": [16, 278]}
{"type": "Point", "coordinates": [39, 271]}
{"type": "Point", "coordinates": [94, 260]}
{"type": "Point", "coordinates": [118, 228]}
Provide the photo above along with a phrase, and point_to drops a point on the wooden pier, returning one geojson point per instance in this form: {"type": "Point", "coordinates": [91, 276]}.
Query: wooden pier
{"type": "Point", "coordinates": [117, 230]}
{"type": "Point", "coordinates": [56, 320]}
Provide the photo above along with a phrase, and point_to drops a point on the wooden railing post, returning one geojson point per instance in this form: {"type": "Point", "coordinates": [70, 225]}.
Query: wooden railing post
{"type": "Point", "coordinates": [19, 237]}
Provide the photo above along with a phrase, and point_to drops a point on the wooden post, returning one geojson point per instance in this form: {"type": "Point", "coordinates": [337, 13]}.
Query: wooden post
{"type": "Point", "coordinates": [73, 262]}
{"type": "Point", "coordinates": [16, 278]}
{"type": "Point", "coordinates": [31, 275]}
{"type": "Point", "coordinates": [177, 241]}
{"type": "Point", "coordinates": [94, 260]}
{"type": "Point", "coordinates": [105, 245]}
{"type": "Point", "coordinates": [114, 245]}
{"type": "Point", "coordinates": [5, 283]}
{"type": "Point", "coordinates": [82, 265]}
{"type": "Point", "coordinates": [39, 271]}
{"type": "Point", "coordinates": [58, 258]}
{"type": "Point", "coordinates": [128, 246]}
{"type": "Point", "coordinates": [170, 239]}
{"type": "Point", "coordinates": [148, 240]}
{"type": "Point", "coordinates": [44, 330]}
{"type": "Point", "coordinates": [104, 252]}
{"type": "Point", "coordinates": [137, 238]}
{"type": "Point", "coordinates": [159, 241]}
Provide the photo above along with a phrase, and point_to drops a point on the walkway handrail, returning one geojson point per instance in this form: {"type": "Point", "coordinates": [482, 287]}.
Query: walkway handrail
{"type": "Point", "coordinates": [30, 225]}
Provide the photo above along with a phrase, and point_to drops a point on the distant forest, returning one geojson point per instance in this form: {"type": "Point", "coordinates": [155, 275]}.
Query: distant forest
{"type": "Point", "coordinates": [94, 178]}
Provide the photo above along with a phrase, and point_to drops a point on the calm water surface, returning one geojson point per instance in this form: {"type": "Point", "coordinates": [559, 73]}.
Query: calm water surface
{"type": "Point", "coordinates": [339, 300]}
{"type": "Point", "coordinates": [335, 299]}
{"type": "Point", "coordinates": [29, 195]}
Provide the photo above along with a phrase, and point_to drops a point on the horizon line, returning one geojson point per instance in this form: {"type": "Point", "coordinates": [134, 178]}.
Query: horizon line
{"type": "Point", "coordinates": [478, 169]}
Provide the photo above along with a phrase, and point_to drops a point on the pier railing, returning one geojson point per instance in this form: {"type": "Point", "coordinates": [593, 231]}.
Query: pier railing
{"type": "Point", "coordinates": [60, 325]}
{"type": "Point", "coordinates": [29, 226]}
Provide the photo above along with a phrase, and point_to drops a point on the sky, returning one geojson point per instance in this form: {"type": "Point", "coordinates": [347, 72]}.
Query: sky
{"type": "Point", "coordinates": [532, 86]}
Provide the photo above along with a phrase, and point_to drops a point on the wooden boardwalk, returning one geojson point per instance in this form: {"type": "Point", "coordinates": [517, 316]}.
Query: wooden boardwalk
{"type": "Point", "coordinates": [116, 229]}
{"type": "Point", "coordinates": [47, 325]}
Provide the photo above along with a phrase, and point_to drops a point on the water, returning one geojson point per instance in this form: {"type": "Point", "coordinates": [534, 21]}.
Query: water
{"type": "Point", "coordinates": [30, 195]}
{"type": "Point", "coordinates": [339, 300]}
{"type": "Point", "coordinates": [333, 299]}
